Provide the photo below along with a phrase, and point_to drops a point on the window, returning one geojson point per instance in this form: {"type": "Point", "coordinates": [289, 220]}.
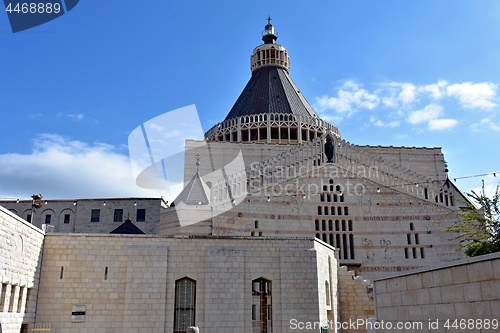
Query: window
{"type": "Point", "coordinates": [48, 218]}
{"type": "Point", "coordinates": [118, 215]}
{"type": "Point", "coordinates": [327, 292]}
{"type": "Point", "coordinates": [28, 218]}
{"type": "Point", "coordinates": [66, 218]}
{"type": "Point", "coordinates": [262, 314]}
{"type": "Point", "coordinates": [3, 295]}
{"type": "Point", "coordinates": [141, 215]}
{"type": "Point", "coordinates": [94, 215]}
{"type": "Point", "coordinates": [185, 306]}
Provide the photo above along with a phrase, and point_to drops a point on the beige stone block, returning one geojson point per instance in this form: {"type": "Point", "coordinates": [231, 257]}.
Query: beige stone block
{"type": "Point", "coordinates": [435, 294]}
{"type": "Point", "coordinates": [480, 271]}
{"type": "Point", "coordinates": [452, 294]}
{"type": "Point", "coordinates": [414, 281]}
{"type": "Point", "coordinates": [459, 274]}
{"type": "Point", "coordinates": [482, 310]}
{"type": "Point", "coordinates": [463, 310]}
{"type": "Point", "coordinates": [429, 311]}
{"type": "Point", "coordinates": [490, 290]}
{"type": "Point", "coordinates": [472, 292]}
{"type": "Point", "coordinates": [409, 297]}
{"type": "Point", "coordinates": [423, 296]}
{"type": "Point", "coordinates": [441, 277]}
{"type": "Point", "coordinates": [496, 268]}
{"type": "Point", "coordinates": [445, 311]}
{"type": "Point", "coordinates": [427, 280]}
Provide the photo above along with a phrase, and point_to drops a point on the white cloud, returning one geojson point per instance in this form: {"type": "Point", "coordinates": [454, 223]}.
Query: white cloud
{"type": "Point", "coordinates": [76, 117]}
{"type": "Point", "coordinates": [62, 168]}
{"type": "Point", "coordinates": [429, 112]}
{"type": "Point", "coordinates": [474, 95]}
{"type": "Point", "coordinates": [408, 93]}
{"type": "Point", "coordinates": [350, 97]}
{"type": "Point", "coordinates": [380, 123]}
{"type": "Point", "coordinates": [491, 124]}
{"type": "Point", "coordinates": [442, 124]}
{"type": "Point", "coordinates": [436, 90]}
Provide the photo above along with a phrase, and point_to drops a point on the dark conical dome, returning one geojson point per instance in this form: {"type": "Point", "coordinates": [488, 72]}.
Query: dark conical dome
{"type": "Point", "coordinates": [271, 107]}
{"type": "Point", "coordinates": [271, 90]}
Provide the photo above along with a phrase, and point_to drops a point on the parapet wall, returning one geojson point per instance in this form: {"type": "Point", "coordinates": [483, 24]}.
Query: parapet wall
{"type": "Point", "coordinates": [462, 296]}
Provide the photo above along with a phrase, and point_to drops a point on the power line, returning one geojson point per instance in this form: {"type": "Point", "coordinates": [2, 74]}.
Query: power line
{"type": "Point", "coordinates": [479, 175]}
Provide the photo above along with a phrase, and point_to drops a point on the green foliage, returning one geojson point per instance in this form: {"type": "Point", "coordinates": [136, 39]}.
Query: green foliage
{"type": "Point", "coordinates": [479, 228]}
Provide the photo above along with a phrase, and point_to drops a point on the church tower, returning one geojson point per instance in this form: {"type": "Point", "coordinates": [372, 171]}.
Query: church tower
{"type": "Point", "coordinates": [271, 108]}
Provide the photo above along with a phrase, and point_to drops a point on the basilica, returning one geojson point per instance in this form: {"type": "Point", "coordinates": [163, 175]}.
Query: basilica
{"type": "Point", "coordinates": [282, 223]}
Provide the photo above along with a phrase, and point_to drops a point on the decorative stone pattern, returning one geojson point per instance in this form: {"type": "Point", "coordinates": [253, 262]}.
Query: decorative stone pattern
{"type": "Point", "coordinates": [20, 259]}
{"type": "Point", "coordinates": [382, 218]}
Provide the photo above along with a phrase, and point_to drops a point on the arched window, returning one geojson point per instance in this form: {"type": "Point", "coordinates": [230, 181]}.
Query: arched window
{"type": "Point", "coordinates": [262, 314]}
{"type": "Point", "coordinates": [185, 304]}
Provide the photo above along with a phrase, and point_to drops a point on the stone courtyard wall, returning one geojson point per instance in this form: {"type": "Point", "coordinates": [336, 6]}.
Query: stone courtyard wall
{"type": "Point", "coordinates": [464, 293]}
{"type": "Point", "coordinates": [20, 258]}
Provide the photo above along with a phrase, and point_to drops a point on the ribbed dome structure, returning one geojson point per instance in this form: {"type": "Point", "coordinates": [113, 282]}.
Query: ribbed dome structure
{"type": "Point", "coordinates": [271, 107]}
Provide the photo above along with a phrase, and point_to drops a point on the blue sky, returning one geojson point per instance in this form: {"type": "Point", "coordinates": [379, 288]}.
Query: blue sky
{"type": "Point", "coordinates": [401, 73]}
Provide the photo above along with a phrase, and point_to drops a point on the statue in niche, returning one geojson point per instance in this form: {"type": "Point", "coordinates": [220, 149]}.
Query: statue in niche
{"type": "Point", "coordinates": [386, 244]}
{"type": "Point", "coordinates": [365, 201]}
{"type": "Point", "coordinates": [329, 150]}
{"type": "Point", "coordinates": [368, 246]}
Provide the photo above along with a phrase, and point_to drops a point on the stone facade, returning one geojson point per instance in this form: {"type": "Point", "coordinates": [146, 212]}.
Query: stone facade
{"type": "Point", "coordinates": [20, 260]}
{"type": "Point", "coordinates": [385, 208]}
{"type": "Point", "coordinates": [462, 296]}
{"type": "Point", "coordinates": [91, 215]}
{"type": "Point", "coordinates": [127, 283]}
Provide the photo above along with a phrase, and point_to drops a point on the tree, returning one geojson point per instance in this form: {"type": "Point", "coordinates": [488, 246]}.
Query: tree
{"type": "Point", "coordinates": [479, 228]}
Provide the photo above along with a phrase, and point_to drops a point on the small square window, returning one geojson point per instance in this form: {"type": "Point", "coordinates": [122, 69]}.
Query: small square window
{"type": "Point", "coordinates": [48, 218]}
{"type": "Point", "coordinates": [141, 215]}
{"type": "Point", "coordinates": [95, 215]}
{"type": "Point", "coordinates": [66, 218]}
{"type": "Point", "coordinates": [118, 216]}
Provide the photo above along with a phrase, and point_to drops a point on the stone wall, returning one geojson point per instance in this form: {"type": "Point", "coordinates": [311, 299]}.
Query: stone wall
{"type": "Point", "coordinates": [127, 283]}
{"type": "Point", "coordinates": [355, 301]}
{"type": "Point", "coordinates": [465, 293]}
{"type": "Point", "coordinates": [20, 259]}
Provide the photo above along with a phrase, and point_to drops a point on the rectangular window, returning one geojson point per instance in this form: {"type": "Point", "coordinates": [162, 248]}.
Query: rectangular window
{"type": "Point", "coordinates": [95, 215]}
{"type": "Point", "coordinates": [28, 218]}
{"type": "Point", "coordinates": [118, 216]}
{"type": "Point", "coordinates": [13, 290]}
{"type": "Point", "coordinates": [66, 218]}
{"type": "Point", "coordinates": [185, 304]}
{"type": "Point", "coordinates": [20, 299]}
{"type": "Point", "coordinates": [3, 295]}
{"type": "Point", "coordinates": [48, 218]}
{"type": "Point", "coordinates": [141, 215]}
